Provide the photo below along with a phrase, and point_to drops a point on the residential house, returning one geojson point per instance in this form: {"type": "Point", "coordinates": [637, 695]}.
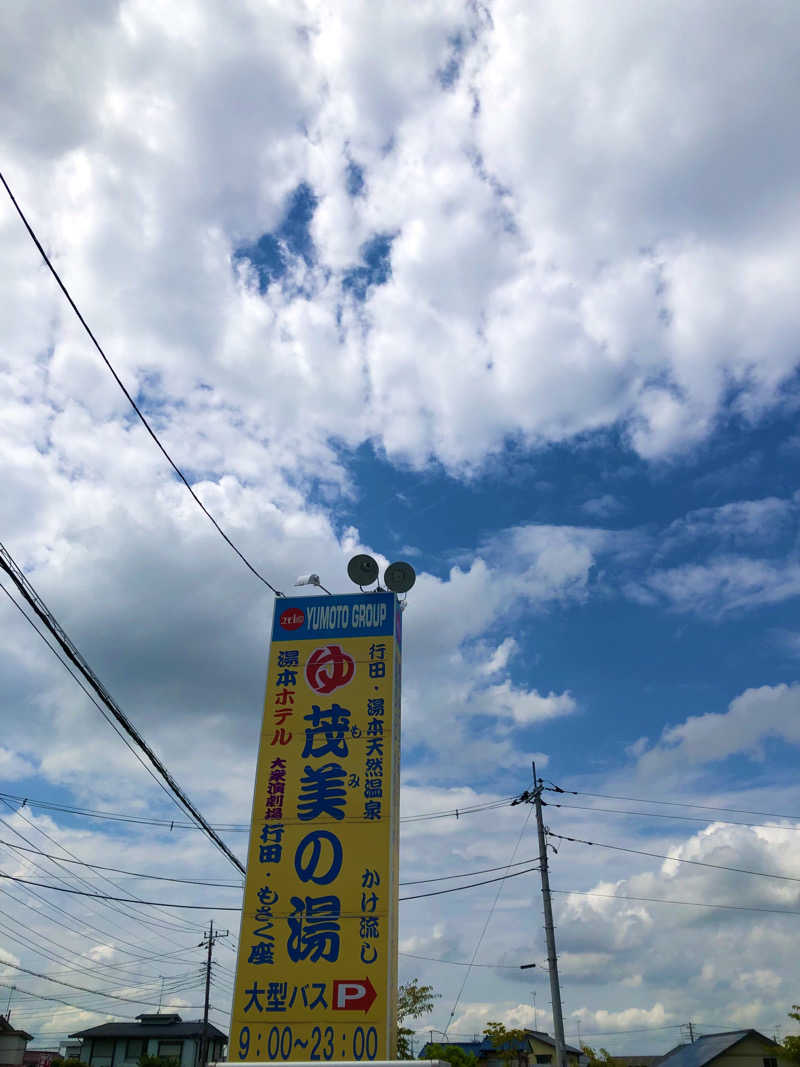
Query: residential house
{"type": "Point", "coordinates": [12, 1044]}
{"type": "Point", "coordinates": [70, 1050]}
{"type": "Point", "coordinates": [39, 1057]}
{"type": "Point", "coordinates": [636, 1061]}
{"type": "Point", "coordinates": [736, 1048]}
{"type": "Point", "coordinates": [121, 1044]}
{"type": "Point", "coordinates": [536, 1047]}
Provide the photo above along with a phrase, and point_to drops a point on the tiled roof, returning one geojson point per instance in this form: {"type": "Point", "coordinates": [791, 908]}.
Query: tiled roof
{"type": "Point", "coordinates": [188, 1029]}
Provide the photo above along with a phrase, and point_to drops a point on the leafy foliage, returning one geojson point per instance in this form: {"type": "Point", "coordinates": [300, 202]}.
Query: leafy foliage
{"type": "Point", "coordinates": [503, 1041]}
{"type": "Point", "coordinates": [158, 1061]}
{"type": "Point", "coordinates": [789, 1049]}
{"type": "Point", "coordinates": [413, 1001]}
{"type": "Point", "coordinates": [453, 1055]}
{"type": "Point", "coordinates": [597, 1057]}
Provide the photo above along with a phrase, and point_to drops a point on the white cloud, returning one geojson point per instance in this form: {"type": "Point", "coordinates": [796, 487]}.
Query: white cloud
{"type": "Point", "coordinates": [527, 706]}
{"type": "Point", "coordinates": [626, 1018]}
{"type": "Point", "coordinates": [722, 586]}
{"type": "Point", "coordinates": [13, 765]}
{"type": "Point", "coordinates": [755, 716]}
{"type": "Point", "coordinates": [602, 507]}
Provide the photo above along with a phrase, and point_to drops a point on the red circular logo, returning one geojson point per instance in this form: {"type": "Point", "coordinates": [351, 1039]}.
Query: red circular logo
{"type": "Point", "coordinates": [329, 668]}
{"type": "Point", "coordinates": [292, 618]}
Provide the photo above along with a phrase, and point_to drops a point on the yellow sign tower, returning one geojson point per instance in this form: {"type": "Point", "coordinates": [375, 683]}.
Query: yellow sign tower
{"type": "Point", "coordinates": [316, 975]}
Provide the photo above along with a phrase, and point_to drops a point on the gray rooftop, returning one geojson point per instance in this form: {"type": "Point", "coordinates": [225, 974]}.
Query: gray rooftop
{"type": "Point", "coordinates": [707, 1048]}
{"type": "Point", "coordinates": [193, 1028]}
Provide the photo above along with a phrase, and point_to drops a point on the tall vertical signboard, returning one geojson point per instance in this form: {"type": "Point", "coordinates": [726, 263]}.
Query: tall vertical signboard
{"type": "Point", "coordinates": [316, 976]}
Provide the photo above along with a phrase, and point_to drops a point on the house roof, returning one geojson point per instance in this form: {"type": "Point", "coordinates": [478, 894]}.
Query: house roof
{"type": "Point", "coordinates": [192, 1028]}
{"type": "Point", "coordinates": [636, 1061]}
{"type": "Point", "coordinates": [7, 1028]}
{"type": "Point", "coordinates": [546, 1039]}
{"type": "Point", "coordinates": [479, 1048]}
{"type": "Point", "coordinates": [707, 1048]}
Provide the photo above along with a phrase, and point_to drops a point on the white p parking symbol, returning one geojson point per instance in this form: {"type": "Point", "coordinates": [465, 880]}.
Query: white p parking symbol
{"type": "Point", "coordinates": [349, 994]}
{"type": "Point", "coordinates": [353, 995]}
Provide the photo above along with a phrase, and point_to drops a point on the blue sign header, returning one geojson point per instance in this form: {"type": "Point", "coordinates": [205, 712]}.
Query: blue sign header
{"type": "Point", "coordinates": [348, 615]}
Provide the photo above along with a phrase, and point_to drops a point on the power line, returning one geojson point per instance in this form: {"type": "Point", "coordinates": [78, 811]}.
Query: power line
{"type": "Point", "coordinates": [238, 885]}
{"type": "Point", "coordinates": [88, 693]}
{"type": "Point", "coordinates": [79, 1007]}
{"type": "Point", "coordinates": [123, 900]}
{"type": "Point", "coordinates": [40, 608]}
{"type": "Point", "coordinates": [137, 958]}
{"type": "Point", "coordinates": [83, 989]}
{"type": "Point", "coordinates": [130, 399]}
{"type": "Point", "coordinates": [671, 818]}
{"type": "Point", "coordinates": [174, 824]}
{"type": "Point", "coordinates": [133, 874]}
{"type": "Point", "coordinates": [58, 1000]}
{"type": "Point", "coordinates": [489, 915]}
{"type": "Point", "coordinates": [469, 874]}
{"type": "Point", "coordinates": [60, 862]}
{"type": "Point", "coordinates": [675, 859]}
{"type": "Point", "coordinates": [686, 903]}
{"type": "Point", "coordinates": [128, 913]}
{"type": "Point", "coordinates": [460, 963]}
{"type": "Point", "coordinates": [219, 907]}
{"type": "Point", "coordinates": [672, 803]}
{"type": "Point", "coordinates": [457, 888]}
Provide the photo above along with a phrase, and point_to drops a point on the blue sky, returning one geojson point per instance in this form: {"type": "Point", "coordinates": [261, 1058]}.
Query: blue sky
{"type": "Point", "coordinates": [507, 291]}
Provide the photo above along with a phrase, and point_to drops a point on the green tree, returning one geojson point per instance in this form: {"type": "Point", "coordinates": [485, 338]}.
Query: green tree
{"type": "Point", "coordinates": [413, 1001]}
{"type": "Point", "coordinates": [158, 1061]}
{"type": "Point", "coordinates": [597, 1057]}
{"type": "Point", "coordinates": [505, 1042]}
{"type": "Point", "coordinates": [452, 1054]}
{"type": "Point", "coordinates": [789, 1048]}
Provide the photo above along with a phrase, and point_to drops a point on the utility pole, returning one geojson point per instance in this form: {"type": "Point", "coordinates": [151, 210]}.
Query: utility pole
{"type": "Point", "coordinates": [208, 941]}
{"type": "Point", "coordinates": [549, 929]}
{"type": "Point", "coordinates": [691, 1032]}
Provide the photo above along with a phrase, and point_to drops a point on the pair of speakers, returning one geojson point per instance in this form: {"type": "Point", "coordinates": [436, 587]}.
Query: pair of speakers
{"type": "Point", "coordinates": [398, 577]}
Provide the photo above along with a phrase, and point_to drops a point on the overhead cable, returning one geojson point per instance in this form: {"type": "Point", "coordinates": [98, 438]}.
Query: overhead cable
{"type": "Point", "coordinates": [130, 399]}
{"type": "Point", "coordinates": [154, 922]}
{"type": "Point", "coordinates": [174, 824]}
{"type": "Point", "coordinates": [85, 989]}
{"type": "Point", "coordinates": [671, 818]}
{"type": "Point", "coordinates": [461, 963]}
{"type": "Point", "coordinates": [675, 859]}
{"type": "Point", "coordinates": [220, 907]}
{"type": "Point", "coordinates": [238, 885]}
{"type": "Point", "coordinates": [133, 874]}
{"type": "Point", "coordinates": [24, 587]}
{"type": "Point", "coordinates": [489, 915]}
{"type": "Point", "coordinates": [671, 803]}
{"type": "Point", "coordinates": [685, 903]}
